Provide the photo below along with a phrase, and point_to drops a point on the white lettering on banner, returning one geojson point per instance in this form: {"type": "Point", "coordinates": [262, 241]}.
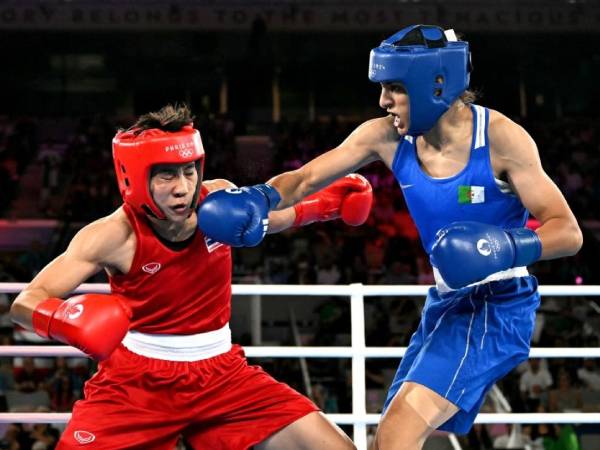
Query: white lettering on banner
{"type": "Point", "coordinates": [535, 15]}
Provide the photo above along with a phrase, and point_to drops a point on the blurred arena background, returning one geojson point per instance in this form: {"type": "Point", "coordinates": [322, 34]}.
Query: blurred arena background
{"type": "Point", "coordinates": [273, 83]}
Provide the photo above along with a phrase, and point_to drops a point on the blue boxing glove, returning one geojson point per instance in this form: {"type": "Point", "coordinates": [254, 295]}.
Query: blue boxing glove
{"type": "Point", "coordinates": [238, 217]}
{"type": "Point", "coordinates": [467, 252]}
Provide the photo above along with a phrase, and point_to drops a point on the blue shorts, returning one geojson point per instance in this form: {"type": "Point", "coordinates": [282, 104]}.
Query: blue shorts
{"type": "Point", "coordinates": [467, 340]}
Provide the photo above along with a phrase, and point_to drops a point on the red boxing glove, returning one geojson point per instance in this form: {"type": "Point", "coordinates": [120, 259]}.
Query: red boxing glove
{"type": "Point", "coordinates": [94, 323]}
{"type": "Point", "coordinates": [350, 198]}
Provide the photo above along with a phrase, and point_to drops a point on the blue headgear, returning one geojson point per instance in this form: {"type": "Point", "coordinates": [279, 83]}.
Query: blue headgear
{"type": "Point", "coordinates": [433, 70]}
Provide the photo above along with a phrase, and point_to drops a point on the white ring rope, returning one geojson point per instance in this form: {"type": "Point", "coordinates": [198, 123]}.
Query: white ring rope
{"type": "Point", "coordinates": [300, 352]}
{"type": "Point", "coordinates": [345, 290]}
{"type": "Point", "coordinates": [358, 352]}
{"type": "Point", "coordinates": [351, 419]}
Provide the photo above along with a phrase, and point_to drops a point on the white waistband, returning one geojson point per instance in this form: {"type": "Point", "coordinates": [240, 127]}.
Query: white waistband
{"type": "Point", "coordinates": [515, 272]}
{"type": "Point", "coordinates": [174, 347]}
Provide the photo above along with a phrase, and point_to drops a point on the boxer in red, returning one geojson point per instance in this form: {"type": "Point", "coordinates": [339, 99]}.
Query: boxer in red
{"type": "Point", "coordinates": [167, 365]}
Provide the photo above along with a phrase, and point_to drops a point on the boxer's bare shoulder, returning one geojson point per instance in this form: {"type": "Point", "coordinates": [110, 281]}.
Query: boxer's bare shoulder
{"type": "Point", "coordinates": [109, 242]}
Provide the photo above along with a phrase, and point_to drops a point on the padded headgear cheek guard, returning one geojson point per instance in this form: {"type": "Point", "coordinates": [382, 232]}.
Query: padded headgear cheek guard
{"type": "Point", "coordinates": [135, 153]}
{"type": "Point", "coordinates": [434, 70]}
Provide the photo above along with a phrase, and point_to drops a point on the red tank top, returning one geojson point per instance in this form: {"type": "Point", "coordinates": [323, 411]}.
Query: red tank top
{"type": "Point", "coordinates": [187, 291]}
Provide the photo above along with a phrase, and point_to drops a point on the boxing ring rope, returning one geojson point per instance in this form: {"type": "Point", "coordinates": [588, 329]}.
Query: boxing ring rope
{"type": "Point", "coordinates": [358, 352]}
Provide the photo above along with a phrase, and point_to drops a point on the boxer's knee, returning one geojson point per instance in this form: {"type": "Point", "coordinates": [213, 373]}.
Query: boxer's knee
{"type": "Point", "coordinates": [412, 415]}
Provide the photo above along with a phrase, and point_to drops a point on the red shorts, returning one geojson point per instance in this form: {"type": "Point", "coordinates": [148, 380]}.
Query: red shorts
{"type": "Point", "coordinates": [220, 403]}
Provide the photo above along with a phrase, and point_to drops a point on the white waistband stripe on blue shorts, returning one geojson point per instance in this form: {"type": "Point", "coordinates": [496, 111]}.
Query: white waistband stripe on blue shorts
{"type": "Point", "coordinates": [515, 272]}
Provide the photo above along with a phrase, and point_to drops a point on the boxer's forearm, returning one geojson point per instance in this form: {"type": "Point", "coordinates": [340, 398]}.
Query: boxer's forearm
{"type": "Point", "coordinates": [292, 186]}
{"type": "Point", "coordinates": [281, 220]}
{"type": "Point", "coordinates": [24, 305]}
{"type": "Point", "coordinates": [560, 237]}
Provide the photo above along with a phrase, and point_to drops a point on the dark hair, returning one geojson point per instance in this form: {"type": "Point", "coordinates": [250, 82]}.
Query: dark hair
{"type": "Point", "coordinates": [469, 96]}
{"type": "Point", "coordinates": [168, 118]}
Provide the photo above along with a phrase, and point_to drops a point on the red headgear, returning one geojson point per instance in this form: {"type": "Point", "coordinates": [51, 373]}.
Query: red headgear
{"type": "Point", "coordinates": [134, 154]}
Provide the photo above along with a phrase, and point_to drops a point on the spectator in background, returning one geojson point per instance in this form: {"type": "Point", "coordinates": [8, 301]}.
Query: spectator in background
{"type": "Point", "coordinates": [63, 386]}
{"type": "Point", "coordinates": [8, 184]}
{"type": "Point", "coordinates": [554, 437]}
{"type": "Point", "coordinates": [424, 272]}
{"type": "Point", "coordinates": [517, 437]}
{"type": "Point", "coordinates": [7, 379]}
{"type": "Point", "coordinates": [333, 323]}
{"type": "Point", "coordinates": [50, 181]}
{"type": "Point", "coordinates": [565, 398]}
{"type": "Point", "coordinates": [303, 272]}
{"type": "Point", "coordinates": [328, 271]}
{"type": "Point", "coordinates": [534, 383]}
{"type": "Point", "coordinates": [10, 440]}
{"type": "Point", "coordinates": [32, 261]}
{"type": "Point", "coordinates": [23, 142]}
{"type": "Point", "coordinates": [558, 365]}
{"type": "Point", "coordinates": [43, 436]}
{"type": "Point", "coordinates": [588, 375]}
{"type": "Point", "coordinates": [398, 272]}
{"type": "Point", "coordinates": [28, 378]}
{"type": "Point", "coordinates": [6, 327]}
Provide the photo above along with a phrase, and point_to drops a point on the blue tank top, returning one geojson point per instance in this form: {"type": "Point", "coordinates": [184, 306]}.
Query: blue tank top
{"type": "Point", "coordinates": [473, 194]}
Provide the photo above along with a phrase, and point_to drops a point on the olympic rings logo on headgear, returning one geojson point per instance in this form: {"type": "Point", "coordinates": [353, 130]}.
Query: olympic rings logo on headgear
{"type": "Point", "coordinates": [433, 66]}
{"type": "Point", "coordinates": [186, 153]}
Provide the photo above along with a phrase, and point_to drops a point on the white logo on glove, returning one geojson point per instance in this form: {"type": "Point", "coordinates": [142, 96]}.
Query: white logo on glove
{"type": "Point", "coordinates": [74, 311]}
{"type": "Point", "coordinates": [484, 247]}
{"type": "Point", "coordinates": [84, 437]}
{"type": "Point", "coordinates": [233, 190]}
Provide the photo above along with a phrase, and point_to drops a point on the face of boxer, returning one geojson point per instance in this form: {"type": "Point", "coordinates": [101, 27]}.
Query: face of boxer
{"type": "Point", "coordinates": [394, 99]}
{"type": "Point", "coordinates": [173, 187]}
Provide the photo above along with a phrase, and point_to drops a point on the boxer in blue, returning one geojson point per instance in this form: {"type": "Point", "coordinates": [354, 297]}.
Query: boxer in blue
{"type": "Point", "coordinates": [470, 177]}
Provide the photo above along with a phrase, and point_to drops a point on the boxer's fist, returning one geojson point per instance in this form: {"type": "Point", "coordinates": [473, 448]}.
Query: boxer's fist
{"type": "Point", "coordinates": [467, 252]}
{"type": "Point", "coordinates": [349, 198]}
{"type": "Point", "coordinates": [238, 217]}
{"type": "Point", "coordinates": [94, 323]}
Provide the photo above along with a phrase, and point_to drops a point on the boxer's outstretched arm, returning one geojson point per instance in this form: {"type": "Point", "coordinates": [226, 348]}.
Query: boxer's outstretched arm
{"type": "Point", "coordinates": [348, 198]}
{"type": "Point", "coordinates": [360, 148]}
{"type": "Point", "coordinates": [241, 217]}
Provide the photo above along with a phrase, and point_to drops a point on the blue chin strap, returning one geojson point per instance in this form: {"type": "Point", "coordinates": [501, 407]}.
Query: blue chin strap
{"type": "Point", "coordinates": [434, 71]}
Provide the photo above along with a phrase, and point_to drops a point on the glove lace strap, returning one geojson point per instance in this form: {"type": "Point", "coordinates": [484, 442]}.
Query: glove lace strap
{"type": "Point", "coordinates": [271, 193]}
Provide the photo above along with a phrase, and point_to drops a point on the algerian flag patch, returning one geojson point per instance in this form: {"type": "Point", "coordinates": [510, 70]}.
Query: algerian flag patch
{"type": "Point", "coordinates": [471, 194]}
